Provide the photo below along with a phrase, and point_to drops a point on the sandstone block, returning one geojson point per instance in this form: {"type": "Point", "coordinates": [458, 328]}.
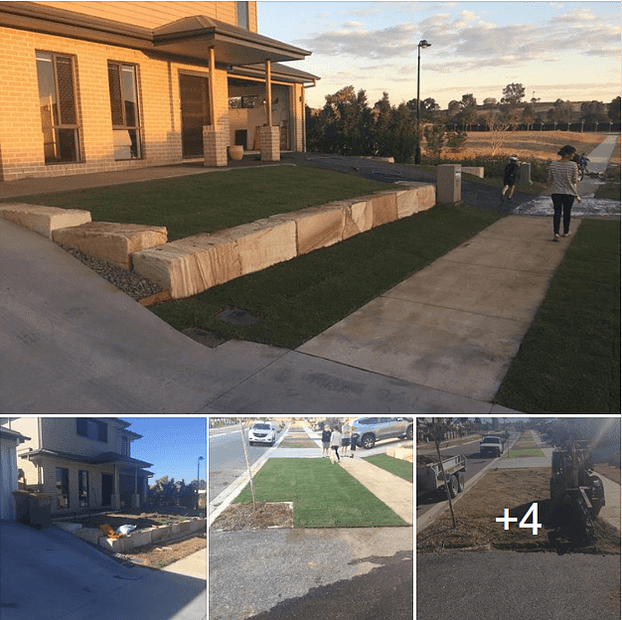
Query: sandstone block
{"type": "Point", "coordinates": [41, 219]}
{"type": "Point", "coordinates": [191, 265]}
{"type": "Point", "coordinates": [384, 208]}
{"type": "Point", "coordinates": [477, 171]}
{"type": "Point", "coordinates": [358, 218]}
{"type": "Point", "coordinates": [89, 534]}
{"type": "Point", "coordinates": [319, 227]}
{"type": "Point", "coordinates": [262, 243]}
{"type": "Point", "coordinates": [111, 241]}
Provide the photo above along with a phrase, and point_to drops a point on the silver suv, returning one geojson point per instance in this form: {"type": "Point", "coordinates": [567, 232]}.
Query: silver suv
{"type": "Point", "coordinates": [371, 430]}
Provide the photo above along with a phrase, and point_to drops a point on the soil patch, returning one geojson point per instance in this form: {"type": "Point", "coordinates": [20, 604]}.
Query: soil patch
{"type": "Point", "coordinates": [262, 516]}
{"type": "Point", "coordinates": [159, 555]}
{"type": "Point", "coordinates": [298, 443]}
{"type": "Point", "coordinates": [608, 470]}
{"type": "Point", "coordinates": [516, 490]}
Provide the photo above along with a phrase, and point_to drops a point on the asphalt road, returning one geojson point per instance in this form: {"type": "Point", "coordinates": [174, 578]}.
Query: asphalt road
{"type": "Point", "coordinates": [475, 464]}
{"type": "Point", "coordinates": [530, 586]}
{"type": "Point", "coordinates": [226, 459]}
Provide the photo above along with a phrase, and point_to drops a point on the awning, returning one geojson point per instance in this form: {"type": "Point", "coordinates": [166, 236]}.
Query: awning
{"type": "Point", "coordinates": [107, 458]}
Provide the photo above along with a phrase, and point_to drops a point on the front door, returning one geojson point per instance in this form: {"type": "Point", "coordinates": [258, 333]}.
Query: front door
{"type": "Point", "coordinates": [107, 489]}
{"type": "Point", "coordinates": [194, 99]}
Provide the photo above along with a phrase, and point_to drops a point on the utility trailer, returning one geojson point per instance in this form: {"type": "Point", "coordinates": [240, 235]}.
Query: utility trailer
{"type": "Point", "coordinates": [430, 476]}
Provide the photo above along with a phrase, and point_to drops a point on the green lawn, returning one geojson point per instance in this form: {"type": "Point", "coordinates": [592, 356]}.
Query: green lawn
{"type": "Point", "coordinates": [212, 201]}
{"type": "Point", "coordinates": [324, 494]}
{"type": "Point", "coordinates": [523, 452]}
{"type": "Point", "coordinates": [398, 467]}
{"type": "Point", "coordinates": [569, 360]}
{"type": "Point", "coordinates": [300, 298]}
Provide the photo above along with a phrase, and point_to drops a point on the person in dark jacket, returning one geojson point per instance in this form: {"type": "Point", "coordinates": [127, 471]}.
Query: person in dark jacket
{"type": "Point", "coordinates": [510, 174]}
{"type": "Point", "coordinates": [326, 441]}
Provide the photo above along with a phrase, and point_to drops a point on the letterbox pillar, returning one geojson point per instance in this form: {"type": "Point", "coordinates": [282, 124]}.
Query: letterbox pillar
{"type": "Point", "coordinates": [449, 183]}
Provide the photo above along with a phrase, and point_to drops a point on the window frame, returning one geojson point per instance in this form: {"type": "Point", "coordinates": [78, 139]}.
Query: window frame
{"type": "Point", "coordinates": [60, 126]}
{"type": "Point", "coordinates": [243, 15]}
{"type": "Point", "coordinates": [82, 429]}
{"type": "Point", "coordinates": [136, 146]}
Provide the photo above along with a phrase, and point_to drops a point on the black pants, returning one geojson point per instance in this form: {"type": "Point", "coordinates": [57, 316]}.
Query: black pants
{"type": "Point", "coordinates": [561, 202]}
{"type": "Point", "coordinates": [336, 449]}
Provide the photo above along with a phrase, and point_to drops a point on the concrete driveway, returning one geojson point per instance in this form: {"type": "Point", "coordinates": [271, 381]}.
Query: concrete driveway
{"type": "Point", "coordinates": [53, 575]}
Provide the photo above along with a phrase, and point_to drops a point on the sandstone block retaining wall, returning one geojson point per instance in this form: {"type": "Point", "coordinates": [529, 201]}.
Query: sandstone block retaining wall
{"type": "Point", "coordinates": [194, 264]}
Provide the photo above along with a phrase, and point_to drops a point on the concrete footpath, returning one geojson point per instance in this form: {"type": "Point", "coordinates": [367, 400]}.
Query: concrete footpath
{"type": "Point", "coordinates": [439, 342]}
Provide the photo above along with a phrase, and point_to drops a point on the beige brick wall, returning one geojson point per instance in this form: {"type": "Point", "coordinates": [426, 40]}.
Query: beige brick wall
{"type": "Point", "coordinates": [20, 124]}
{"type": "Point", "coordinates": [154, 14]}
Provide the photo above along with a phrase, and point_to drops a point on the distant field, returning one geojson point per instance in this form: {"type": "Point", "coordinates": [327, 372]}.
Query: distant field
{"type": "Point", "coordinates": [537, 144]}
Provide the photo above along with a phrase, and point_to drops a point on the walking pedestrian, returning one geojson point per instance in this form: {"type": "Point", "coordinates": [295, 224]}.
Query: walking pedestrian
{"type": "Point", "coordinates": [563, 177]}
{"type": "Point", "coordinates": [335, 444]}
{"type": "Point", "coordinates": [345, 440]}
{"type": "Point", "coordinates": [325, 441]}
{"type": "Point", "coordinates": [353, 440]}
{"type": "Point", "coordinates": [510, 174]}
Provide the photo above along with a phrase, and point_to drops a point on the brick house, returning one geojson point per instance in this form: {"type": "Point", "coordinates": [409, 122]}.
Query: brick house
{"type": "Point", "coordinates": [104, 86]}
{"type": "Point", "coordinates": [83, 463]}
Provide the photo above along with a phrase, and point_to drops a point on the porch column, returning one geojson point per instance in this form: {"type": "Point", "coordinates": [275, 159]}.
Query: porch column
{"type": "Point", "coordinates": [135, 495]}
{"type": "Point", "coordinates": [115, 498]}
{"type": "Point", "coordinates": [215, 139]}
{"type": "Point", "coordinates": [270, 136]}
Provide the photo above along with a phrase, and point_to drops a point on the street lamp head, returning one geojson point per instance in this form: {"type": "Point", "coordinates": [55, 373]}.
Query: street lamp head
{"type": "Point", "coordinates": [423, 43]}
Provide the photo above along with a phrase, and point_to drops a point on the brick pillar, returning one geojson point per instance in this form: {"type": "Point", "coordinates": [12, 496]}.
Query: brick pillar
{"type": "Point", "coordinates": [215, 142]}
{"type": "Point", "coordinates": [270, 143]}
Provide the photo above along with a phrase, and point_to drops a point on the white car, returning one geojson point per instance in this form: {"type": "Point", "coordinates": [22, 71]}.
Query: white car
{"type": "Point", "coordinates": [262, 432]}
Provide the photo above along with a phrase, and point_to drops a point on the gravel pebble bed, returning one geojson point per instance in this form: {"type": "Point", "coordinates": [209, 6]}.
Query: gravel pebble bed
{"type": "Point", "coordinates": [129, 282]}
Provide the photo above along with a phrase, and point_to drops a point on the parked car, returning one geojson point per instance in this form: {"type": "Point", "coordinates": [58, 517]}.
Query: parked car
{"type": "Point", "coordinates": [491, 445]}
{"type": "Point", "coordinates": [262, 432]}
{"type": "Point", "coordinates": [371, 430]}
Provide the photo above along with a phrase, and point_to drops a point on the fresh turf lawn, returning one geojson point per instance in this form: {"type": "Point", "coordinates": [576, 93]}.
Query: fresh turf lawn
{"type": "Point", "coordinates": [398, 467]}
{"type": "Point", "coordinates": [212, 201]}
{"type": "Point", "coordinates": [569, 360]}
{"type": "Point", "coordinates": [324, 495]}
{"type": "Point", "coordinates": [299, 299]}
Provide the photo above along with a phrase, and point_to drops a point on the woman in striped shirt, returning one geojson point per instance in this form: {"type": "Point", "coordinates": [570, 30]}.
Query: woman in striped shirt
{"type": "Point", "coordinates": [564, 176]}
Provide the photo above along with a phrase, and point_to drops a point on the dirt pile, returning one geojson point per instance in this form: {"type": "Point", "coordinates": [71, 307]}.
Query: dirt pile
{"type": "Point", "coordinates": [514, 490]}
{"type": "Point", "coordinates": [260, 517]}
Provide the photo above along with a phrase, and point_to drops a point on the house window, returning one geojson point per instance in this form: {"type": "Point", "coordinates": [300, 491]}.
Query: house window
{"type": "Point", "coordinates": [62, 487]}
{"type": "Point", "coordinates": [243, 21]}
{"type": "Point", "coordinates": [59, 113]}
{"type": "Point", "coordinates": [125, 446]}
{"type": "Point", "coordinates": [124, 110]}
{"type": "Point", "coordinates": [92, 429]}
{"type": "Point", "coordinates": [83, 488]}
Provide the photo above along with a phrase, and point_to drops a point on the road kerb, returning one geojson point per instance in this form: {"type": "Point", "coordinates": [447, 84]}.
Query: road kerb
{"type": "Point", "coordinates": [224, 500]}
{"type": "Point", "coordinates": [426, 519]}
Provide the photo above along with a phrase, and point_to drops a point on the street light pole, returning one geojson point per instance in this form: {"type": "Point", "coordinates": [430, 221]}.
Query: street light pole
{"type": "Point", "coordinates": [198, 463]}
{"type": "Point", "coordinates": [423, 43]}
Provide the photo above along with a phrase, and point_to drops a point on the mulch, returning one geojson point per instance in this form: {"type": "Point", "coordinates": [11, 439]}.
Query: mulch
{"type": "Point", "coordinates": [261, 516]}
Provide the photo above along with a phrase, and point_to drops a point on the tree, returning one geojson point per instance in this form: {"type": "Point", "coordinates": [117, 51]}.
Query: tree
{"type": "Point", "coordinates": [594, 112]}
{"type": "Point", "coordinates": [498, 125]}
{"type": "Point", "coordinates": [453, 108]}
{"type": "Point", "coordinates": [437, 429]}
{"type": "Point", "coordinates": [435, 135]}
{"type": "Point", "coordinates": [561, 112]}
{"type": "Point", "coordinates": [614, 110]}
{"type": "Point", "coordinates": [513, 93]}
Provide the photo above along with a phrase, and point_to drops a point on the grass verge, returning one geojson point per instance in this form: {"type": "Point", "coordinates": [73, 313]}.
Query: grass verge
{"type": "Point", "coordinates": [212, 201]}
{"type": "Point", "coordinates": [522, 452]}
{"type": "Point", "coordinates": [297, 300]}
{"type": "Point", "coordinates": [398, 467]}
{"type": "Point", "coordinates": [324, 495]}
{"type": "Point", "coordinates": [569, 360]}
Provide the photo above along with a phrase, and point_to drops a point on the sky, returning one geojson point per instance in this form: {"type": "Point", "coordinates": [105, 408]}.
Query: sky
{"type": "Point", "coordinates": [173, 445]}
{"type": "Point", "coordinates": [556, 50]}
